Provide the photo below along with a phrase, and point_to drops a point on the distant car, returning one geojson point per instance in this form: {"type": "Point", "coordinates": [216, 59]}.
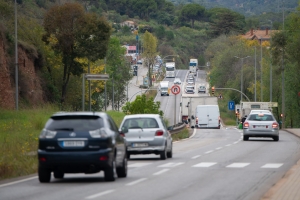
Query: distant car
{"type": "Point", "coordinates": [189, 90]}
{"type": "Point", "coordinates": [81, 142]}
{"type": "Point", "coordinates": [139, 62]}
{"type": "Point", "coordinates": [202, 89]}
{"type": "Point", "coordinates": [147, 134]}
{"type": "Point", "coordinates": [260, 123]}
{"type": "Point", "coordinates": [177, 81]}
{"type": "Point", "coordinates": [190, 82]}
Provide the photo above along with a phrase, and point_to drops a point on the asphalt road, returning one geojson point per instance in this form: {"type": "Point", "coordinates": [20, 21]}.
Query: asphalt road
{"type": "Point", "coordinates": [213, 164]}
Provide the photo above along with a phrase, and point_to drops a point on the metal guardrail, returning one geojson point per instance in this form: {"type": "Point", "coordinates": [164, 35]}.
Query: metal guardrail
{"type": "Point", "coordinates": [177, 128]}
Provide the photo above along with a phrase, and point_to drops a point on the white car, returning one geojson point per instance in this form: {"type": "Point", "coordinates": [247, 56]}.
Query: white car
{"type": "Point", "coordinates": [177, 81]}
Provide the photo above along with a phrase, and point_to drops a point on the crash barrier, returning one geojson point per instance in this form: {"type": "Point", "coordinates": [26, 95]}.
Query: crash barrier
{"type": "Point", "coordinates": [177, 128]}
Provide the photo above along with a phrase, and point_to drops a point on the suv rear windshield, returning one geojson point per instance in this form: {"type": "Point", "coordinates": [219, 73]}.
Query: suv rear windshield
{"type": "Point", "coordinates": [74, 123]}
{"type": "Point", "coordinates": [261, 117]}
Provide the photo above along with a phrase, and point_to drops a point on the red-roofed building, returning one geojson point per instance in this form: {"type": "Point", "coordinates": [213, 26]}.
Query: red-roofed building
{"type": "Point", "coordinates": [260, 35]}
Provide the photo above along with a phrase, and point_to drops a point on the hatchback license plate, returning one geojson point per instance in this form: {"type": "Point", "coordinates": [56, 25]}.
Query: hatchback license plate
{"type": "Point", "coordinates": [139, 144]}
{"type": "Point", "coordinates": [73, 143]}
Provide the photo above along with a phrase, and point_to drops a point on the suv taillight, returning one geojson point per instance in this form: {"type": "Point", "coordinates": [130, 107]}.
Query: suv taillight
{"type": "Point", "coordinates": [275, 125]}
{"type": "Point", "coordinates": [159, 133]}
{"type": "Point", "coordinates": [246, 125]}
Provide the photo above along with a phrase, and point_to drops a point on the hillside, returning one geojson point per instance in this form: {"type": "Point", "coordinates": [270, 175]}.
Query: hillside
{"type": "Point", "coordinates": [246, 7]}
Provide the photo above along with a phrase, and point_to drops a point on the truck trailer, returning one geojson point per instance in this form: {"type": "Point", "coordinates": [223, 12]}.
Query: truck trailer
{"type": "Point", "coordinates": [193, 66]}
{"type": "Point", "coordinates": [189, 104]}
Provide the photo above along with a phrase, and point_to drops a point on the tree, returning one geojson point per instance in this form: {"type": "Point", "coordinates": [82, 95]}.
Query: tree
{"type": "Point", "coordinates": [150, 52]}
{"type": "Point", "coordinates": [118, 69]}
{"type": "Point", "coordinates": [192, 12]}
{"type": "Point", "coordinates": [225, 21]}
{"type": "Point", "coordinates": [142, 105]}
{"type": "Point", "coordinates": [77, 35]}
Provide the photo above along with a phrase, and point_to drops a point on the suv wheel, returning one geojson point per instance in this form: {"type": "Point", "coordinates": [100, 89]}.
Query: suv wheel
{"type": "Point", "coordinates": [109, 173]}
{"type": "Point", "coordinates": [163, 154]}
{"type": "Point", "coordinates": [122, 171]}
{"type": "Point", "coordinates": [44, 175]}
{"type": "Point", "coordinates": [58, 174]}
{"type": "Point", "coordinates": [276, 138]}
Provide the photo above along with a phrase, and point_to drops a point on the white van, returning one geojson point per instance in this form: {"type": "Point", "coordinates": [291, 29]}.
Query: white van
{"type": "Point", "coordinates": [207, 116]}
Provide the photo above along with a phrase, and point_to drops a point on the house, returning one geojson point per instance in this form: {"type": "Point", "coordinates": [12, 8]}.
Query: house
{"type": "Point", "coordinates": [260, 35]}
{"type": "Point", "coordinates": [128, 23]}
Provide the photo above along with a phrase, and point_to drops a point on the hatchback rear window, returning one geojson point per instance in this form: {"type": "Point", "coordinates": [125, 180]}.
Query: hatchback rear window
{"type": "Point", "coordinates": [74, 123]}
{"type": "Point", "coordinates": [134, 123]}
{"type": "Point", "coordinates": [261, 117]}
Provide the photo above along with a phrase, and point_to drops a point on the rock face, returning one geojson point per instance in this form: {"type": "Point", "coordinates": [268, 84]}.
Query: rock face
{"type": "Point", "coordinates": [29, 87]}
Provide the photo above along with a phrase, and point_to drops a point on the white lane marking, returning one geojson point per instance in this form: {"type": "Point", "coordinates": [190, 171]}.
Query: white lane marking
{"type": "Point", "coordinates": [196, 157]}
{"type": "Point", "coordinates": [136, 182]}
{"type": "Point", "coordinates": [99, 194]}
{"type": "Point", "coordinates": [205, 164]}
{"type": "Point", "coordinates": [194, 133]}
{"type": "Point", "coordinates": [160, 172]}
{"type": "Point", "coordinates": [171, 164]}
{"type": "Point", "coordinates": [238, 165]}
{"type": "Point", "coordinates": [228, 145]}
{"type": "Point", "coordinates": [272, 165]}
{"type": "Point", "coordinates": [20, 181]}
{"type": "Point", "coordinates": [209, 152]}
{"type": "Point", "coordinates": [236, 142]}
{"type": "Point", "coordinates": [139, 164]}
{"type": "Point", "coordinates": [219, 148]}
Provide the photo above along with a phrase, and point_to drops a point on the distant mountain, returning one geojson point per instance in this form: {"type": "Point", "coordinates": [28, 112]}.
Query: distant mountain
{"type": "Point", "coordinates": [247, 7]}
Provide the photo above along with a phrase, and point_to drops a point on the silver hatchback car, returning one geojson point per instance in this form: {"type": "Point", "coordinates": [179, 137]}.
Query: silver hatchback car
{"type": "Point", "coordinates": [260, 123]}
{"type": "Point", "coordinates": [146, 134]}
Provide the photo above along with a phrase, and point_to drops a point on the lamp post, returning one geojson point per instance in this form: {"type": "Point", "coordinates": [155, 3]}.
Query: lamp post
{"type": "Point", "coordinates": [255, 74]}
{"type": "Point", "coordinates": [16, 58]}
{"type": "Point", "coordinates": [271, 67]}
{"type": "Point", "coordinates": [261, 72]}
{"type": "Point", "coordinates": [242, 59]}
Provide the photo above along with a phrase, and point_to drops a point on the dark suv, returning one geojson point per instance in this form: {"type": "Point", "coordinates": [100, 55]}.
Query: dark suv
{"type": "Point", "coordinates": [81, 142]}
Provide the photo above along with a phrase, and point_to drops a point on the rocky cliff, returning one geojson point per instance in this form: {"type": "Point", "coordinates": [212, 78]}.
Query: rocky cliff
{"type": "Point", "coordinates": [30, 89]}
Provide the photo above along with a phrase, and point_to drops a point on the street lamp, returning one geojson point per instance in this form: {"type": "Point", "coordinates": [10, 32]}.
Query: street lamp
{"type": "Point", "coordinates": [271, 67]}
{"type": "Point", "coordinates": [16, 58]}
{"type": "Point", "coordinates": [242, 59]}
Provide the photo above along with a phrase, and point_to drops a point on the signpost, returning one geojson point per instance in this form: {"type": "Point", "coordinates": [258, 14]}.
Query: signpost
{"type": "Point", "coordinates": [103, 77]}
{"type": "Point", "coordinates": [175, 89]}
{"type": "Point", "coordinates": [231, 105]}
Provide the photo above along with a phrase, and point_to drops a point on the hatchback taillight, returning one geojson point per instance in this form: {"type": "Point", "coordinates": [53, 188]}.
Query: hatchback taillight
{"type": "Point", "coordinates": [246, 125]}
{"type": "Point", "coordinates": [159, 133]}
{"type": "Point", "coordinates": [275, 125]}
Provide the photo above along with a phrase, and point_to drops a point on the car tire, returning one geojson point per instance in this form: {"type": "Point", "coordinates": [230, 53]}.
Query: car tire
{"type": "Point", "coordinates": [109, 173]}
{"type": "Point", "coordinates": [58, 174]}
{"type": "Point", "coordinates": [128, 155]}
{"type": "Point", "coordinates": [122, 171]}
{"type": "Point", "coordinates": [276, 138]}
{"type": "Point", "coordinates": [170, 153]}
{"type": "Point", "coordinates": [163, 154]}
{"type": "Point", "coordinates": [245, 138]}
{"type": "Point", "coordinates": [44, 175]}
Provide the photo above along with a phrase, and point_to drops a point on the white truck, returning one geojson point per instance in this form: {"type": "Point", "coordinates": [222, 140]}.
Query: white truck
{"type": "Point", "coordinates": [245, 107]}
{"type": "Point", "coordinates": [193, 66]}
{"type": "Point", "coordinates": [189, 104]}
{"type": "Point", "coordinates": [164, 88]}
{"type": "Point", "coordinates": [170, 70]}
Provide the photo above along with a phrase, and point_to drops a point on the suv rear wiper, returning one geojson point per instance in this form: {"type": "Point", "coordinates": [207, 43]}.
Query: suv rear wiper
{"type": "Point", "coordinates": [64, 129]}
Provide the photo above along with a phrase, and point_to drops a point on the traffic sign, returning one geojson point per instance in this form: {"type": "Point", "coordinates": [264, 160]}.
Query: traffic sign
{"type": "Point", "coordinates": [231, 105]}
{"type": "Point", "coordinates": [175, 89]}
